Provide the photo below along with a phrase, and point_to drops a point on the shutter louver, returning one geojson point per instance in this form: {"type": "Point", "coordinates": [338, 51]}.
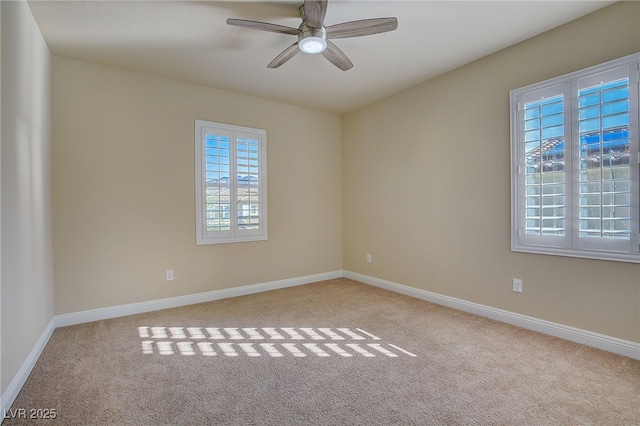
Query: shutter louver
{"type": "Point", "coordinates": [604, 195]}
{"type": "Point", "coordinates": [217, 169]}
{"type": "Point", "coordinates": [544, 167]}
{"type": "Point", "coordinates": [248, 178]}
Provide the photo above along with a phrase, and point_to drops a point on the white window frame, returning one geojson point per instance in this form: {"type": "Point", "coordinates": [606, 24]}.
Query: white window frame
{"type": "Point", "coordinates": [234, 234]}
{"type": "Point", "coordinates": [571, 244]}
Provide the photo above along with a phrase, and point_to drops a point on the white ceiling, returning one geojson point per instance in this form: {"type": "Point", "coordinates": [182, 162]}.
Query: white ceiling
{"type": "Point", "coordinates": [190, 41]}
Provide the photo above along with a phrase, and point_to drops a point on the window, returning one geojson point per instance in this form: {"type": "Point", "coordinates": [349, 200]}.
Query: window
{"type": "Point", "coordinates": [575, 177]}
{"type": "Point", "coordinates": [231, 183]}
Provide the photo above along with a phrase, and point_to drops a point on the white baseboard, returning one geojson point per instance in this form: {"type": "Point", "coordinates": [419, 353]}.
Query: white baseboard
{"type": "Point", "coordinates": [607, 343]}
{"type": "Point", "coordinates": [8, 397]}
{"type": "Point", "coordinates": [21, 376]}
{"type": "Point", "coordinates": [190, 299]}
{"type": "Point", "coordinates": [596, 340]}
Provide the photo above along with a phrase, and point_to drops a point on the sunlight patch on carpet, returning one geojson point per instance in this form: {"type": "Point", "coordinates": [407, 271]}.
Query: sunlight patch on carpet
{"type": "Point", "coordinates": [291, 342]}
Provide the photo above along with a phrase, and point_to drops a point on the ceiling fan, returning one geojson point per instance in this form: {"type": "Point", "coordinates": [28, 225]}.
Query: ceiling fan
{"type": "Point", "coordinates": [314, 37]}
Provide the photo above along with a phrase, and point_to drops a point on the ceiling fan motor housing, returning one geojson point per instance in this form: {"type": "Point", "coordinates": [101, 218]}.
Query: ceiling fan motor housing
{"type": "Point", "coordinates": [312, 40]}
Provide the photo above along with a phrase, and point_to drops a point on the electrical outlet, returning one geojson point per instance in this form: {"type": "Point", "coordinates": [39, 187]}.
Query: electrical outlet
{"type": "Point", "coordinates": [368, 258]}
{"type": "Point", "coordinates": [169, 274]}
{"type": "Point", "coordinates": [517, 285]}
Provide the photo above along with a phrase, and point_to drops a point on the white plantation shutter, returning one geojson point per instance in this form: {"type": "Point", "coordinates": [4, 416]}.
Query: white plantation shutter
{"type": "Point", "coordinates": [217, 183]}
{"type": "Point", "coordinates": [230, 183]}
{"type": "Point", "coordinates": [605, 106]}
{"type": "Point", "coordinates": [575, 171]}
{"type": "Point", "coordinates": [542, 166]}
{"type": "Point", "coordinates": [248, 178]}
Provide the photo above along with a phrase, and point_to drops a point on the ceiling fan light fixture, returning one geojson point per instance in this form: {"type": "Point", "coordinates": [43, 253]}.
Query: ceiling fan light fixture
{"type": "Point", "coordinates": [312, 45]}
{"type": "Point", "coordinates": [312, 40]}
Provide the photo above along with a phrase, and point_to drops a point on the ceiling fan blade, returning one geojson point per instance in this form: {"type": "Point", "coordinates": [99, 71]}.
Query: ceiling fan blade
{"type": "Point", "coordinates": [337, 57]}
{"type": "Point", "coordinates": [262, 26]}
{"type": "Point", "coordinates": [363, 27]}
{"type": "Point", "coordinates": [314, 12]}
{"type": "Point", "coordinates": [283, 57]}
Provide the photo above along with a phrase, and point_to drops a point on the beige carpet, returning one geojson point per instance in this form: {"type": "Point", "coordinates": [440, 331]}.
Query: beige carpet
{"type": "Point", "coordinates": [331, 353]}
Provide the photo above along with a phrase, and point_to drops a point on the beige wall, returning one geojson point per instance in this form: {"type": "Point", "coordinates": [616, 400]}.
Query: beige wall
{"type": "Point", "coordinates": [123, 189]}
{"type": "Point", "coordinates": [25, 149]}
{"type": "Point", "coordinates": [426, 187]}
{"type": "Point", "coordinates": [420, 180]}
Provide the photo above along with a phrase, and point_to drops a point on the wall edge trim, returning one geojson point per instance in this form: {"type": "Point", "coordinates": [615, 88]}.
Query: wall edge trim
{"type": "Point", "coordinates": [600, 341]}
{"type": "Point", "coordinates": [12, 391]}
{"type": "Point", "coordinates": [74, 318]}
